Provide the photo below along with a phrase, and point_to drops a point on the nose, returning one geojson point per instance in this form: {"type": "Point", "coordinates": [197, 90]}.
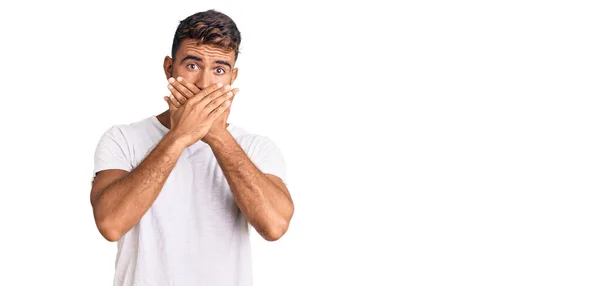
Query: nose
{"type": "Point", "coordinates": [204, 79]}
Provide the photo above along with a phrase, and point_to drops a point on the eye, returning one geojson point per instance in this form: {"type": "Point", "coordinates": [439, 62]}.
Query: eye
{"type": "Point", "coordinates": [192, 66]}
{"type": "Point", "coordinates": [220, 70]}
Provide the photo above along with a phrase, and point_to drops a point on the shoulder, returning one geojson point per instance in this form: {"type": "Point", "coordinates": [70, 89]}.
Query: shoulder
{"type": "Point", "coordinates": [248, 138]}
{"type": "Point", "coordinates": [252, 143]}
{"type": "Point", "coordinates": [131, 139]}
{"type": "Point", "coordinates": [263, 152]}
{"type": "Point", "coordinates": [127, 131]}
{"type": "Point", "coordinates": [120, 145]}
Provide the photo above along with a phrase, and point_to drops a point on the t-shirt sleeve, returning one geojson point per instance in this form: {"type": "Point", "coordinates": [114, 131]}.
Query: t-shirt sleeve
{"type": "Point", "coordinates": [112, 152]}
{"type": "Point", "coordinates": [269, 159]}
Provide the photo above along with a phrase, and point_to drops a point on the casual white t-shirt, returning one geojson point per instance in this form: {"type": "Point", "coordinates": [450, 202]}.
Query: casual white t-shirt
{"type": "Point", "coordinates": [194, 233]}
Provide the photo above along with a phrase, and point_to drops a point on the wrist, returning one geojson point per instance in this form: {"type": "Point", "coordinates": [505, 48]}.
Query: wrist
{"type": "Point", "coordinates": [217, 138]}
{"type": "Point", "coordinates": [174, 142]}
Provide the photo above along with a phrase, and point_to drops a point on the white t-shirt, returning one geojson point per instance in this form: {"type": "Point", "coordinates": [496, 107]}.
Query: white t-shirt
{"type": "Point", "coordinates": [194, 233]}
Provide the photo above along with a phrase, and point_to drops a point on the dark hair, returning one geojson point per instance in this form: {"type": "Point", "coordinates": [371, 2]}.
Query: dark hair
{"type": "Point", "coordinates": [209, 28]}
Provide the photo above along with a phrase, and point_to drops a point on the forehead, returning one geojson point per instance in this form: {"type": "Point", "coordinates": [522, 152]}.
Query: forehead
{"type": "Point", "coordinates": [191, 47]}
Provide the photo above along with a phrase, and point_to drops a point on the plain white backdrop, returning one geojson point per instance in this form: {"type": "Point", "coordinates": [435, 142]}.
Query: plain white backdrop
{"type": "Point", "coordinates": [427, 143]}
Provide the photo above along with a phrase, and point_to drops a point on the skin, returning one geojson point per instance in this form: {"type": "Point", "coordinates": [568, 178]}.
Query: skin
{"type": "Point", "coordinates": [200, 79]}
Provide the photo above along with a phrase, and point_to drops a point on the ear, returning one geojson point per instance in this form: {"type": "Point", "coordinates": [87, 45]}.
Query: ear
{"type": "Point", "coordinates": [168, 67]}
{"type": "Point", "coordinates": [233, 75]}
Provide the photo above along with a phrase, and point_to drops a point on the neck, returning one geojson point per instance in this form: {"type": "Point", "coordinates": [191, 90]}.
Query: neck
{"type": "Point", "coordinates": [163, 118]}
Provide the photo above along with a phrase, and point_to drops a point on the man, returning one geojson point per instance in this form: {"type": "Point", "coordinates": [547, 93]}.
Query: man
{"type": "Point", "coordinates": [178, 190]}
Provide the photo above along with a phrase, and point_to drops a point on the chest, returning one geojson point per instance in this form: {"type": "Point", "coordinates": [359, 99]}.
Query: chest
{"type": "Point", "coordinates": [196, 189]}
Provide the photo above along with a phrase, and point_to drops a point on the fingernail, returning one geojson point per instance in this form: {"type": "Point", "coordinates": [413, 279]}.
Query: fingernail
{"type": "Point", "coordinates": [219, 84]}
{"type": "Point", "coordinates": [171, 96]}
{"type": "Point", "coordinates": [171, 80]}
{"type": "Point", "coordinates": [170, 86]}
{"type": "Point", "coordinates": [179, 78]}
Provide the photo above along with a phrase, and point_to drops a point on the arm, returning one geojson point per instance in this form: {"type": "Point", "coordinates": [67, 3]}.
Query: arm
{"type": "Point", "coordinates": [263, 198]}
{"type": "Point", "coordinates": [120, 199]}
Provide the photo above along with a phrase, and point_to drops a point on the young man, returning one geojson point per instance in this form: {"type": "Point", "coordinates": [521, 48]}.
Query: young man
{"type": "Point", "coordinates": [178, 190]}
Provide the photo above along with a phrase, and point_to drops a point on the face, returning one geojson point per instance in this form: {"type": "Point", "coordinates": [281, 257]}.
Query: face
{"type": "Point", "coordinates": [202, 65]}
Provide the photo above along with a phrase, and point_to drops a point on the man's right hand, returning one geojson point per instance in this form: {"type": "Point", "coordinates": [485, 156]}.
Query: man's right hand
{"type": "Point", "coordinates": [191, 121]}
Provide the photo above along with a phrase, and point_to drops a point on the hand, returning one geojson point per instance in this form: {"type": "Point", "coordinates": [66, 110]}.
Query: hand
{"type": "Point", "coordinates": [191, 121]}
{"type": "Point", "coordinates": [220, 124]}
{"type": "Point", "coordinates": [181, 91]}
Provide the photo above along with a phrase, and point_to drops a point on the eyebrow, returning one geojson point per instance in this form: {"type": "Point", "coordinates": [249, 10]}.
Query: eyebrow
{"type": "Point", "coordinates": [221, 62]}
{"type": "Point", "coordinates": [195, 58]}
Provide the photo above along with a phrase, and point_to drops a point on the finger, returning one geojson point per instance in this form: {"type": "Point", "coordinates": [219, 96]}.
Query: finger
{"type": "Point", "coordinates": [208, 91]}
{"type": "Point", "coordinates": [178, 96]}
{"type": "Point", "coordinates": [218, 111]}
{"type": "Point", "coordinates": [224, 91]}
{"type": "Point", "coordinates": [170, 103]}
{"type": "Point", "coordinates": [188, 85]}
{"type": "Point", "coordinates": [174, 102]}
{"type": "Point", "coordinates": [180, 88]}
{"type": "Point", "coordinates": [218, 102]}
{"type": "Point", "coordinates": [235, 91]}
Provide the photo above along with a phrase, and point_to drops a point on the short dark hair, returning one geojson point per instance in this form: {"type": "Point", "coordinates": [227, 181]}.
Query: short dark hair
{"type": "Point", "coordinates": [209, 28]}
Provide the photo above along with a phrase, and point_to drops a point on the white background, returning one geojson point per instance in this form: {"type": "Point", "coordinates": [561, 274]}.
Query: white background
{"type": "Point", "coordinates": [430, 143]}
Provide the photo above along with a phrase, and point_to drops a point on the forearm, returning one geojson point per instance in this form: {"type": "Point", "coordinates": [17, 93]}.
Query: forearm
{"type": "Point", "coordinates": [265, 205]}
{"type": "Point", "coordinates": [122, 204]}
